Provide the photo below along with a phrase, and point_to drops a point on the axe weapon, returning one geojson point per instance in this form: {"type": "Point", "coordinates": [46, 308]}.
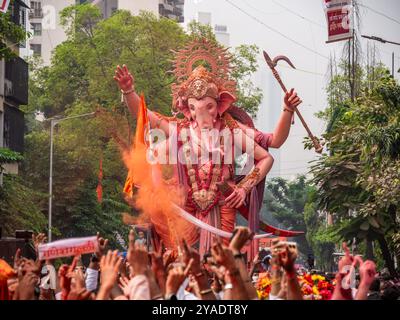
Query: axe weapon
{"type": "Point", "coordinates": [272, 63]}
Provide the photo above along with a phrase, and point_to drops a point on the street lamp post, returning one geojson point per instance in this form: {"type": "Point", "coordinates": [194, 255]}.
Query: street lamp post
{"type": "Point", "coordinates": [53, 123]}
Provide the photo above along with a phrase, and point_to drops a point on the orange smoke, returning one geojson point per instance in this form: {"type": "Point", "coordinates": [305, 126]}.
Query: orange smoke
{"type": "Point", "coordinates": [153, 199]}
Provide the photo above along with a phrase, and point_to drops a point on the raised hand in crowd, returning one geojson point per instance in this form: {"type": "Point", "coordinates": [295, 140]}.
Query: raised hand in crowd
{"type": "Point", "coordinates": [224, 257]}
{"type": "Point", "coordinates": [65, 275]}
{"type": "Point", "coordinates": [158, 267]}
{"type": "Point", "coordinates": [78, 289]}
{"type": "Point", "coordinates": [102, 246]}
{"type": "Point", "coordinates": [28, 272]}
{"type": "Point", "coordinates": [241, 236]}
{"type": "Point", "coordinates": [188, 254]}
{"type": "Point", "coordinates": [367, 276]}
{"type": "Point", "coordinates": [286, 258]}
{"type": "Point", "coordinates": [176, 276]}
{"type": "Point", "coordinates": [26, 286]}
{"type": "Point", "coordinates": [109, 268]}
{"type": "Point", "coordinates": [38, 240]}
{"type": "Point", "coordinates": [345, 276]}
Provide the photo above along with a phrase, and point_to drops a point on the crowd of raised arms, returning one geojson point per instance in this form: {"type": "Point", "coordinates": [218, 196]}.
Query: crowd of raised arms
{"type": "Point", "coordinates": [221, 274]}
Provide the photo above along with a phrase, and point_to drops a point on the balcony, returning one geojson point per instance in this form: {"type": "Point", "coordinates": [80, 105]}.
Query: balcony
{"type": "Point", "coordinates": [36, 14]}
{"type": "Point", "coordinates": [16, 81]}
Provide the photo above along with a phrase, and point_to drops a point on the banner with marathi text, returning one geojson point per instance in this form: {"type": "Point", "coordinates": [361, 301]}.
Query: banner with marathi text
{"type": "Point", "coordinates": [4, 5]}
{"type": "Point", "coordinates": [339, 17]}
{"type": "Point", "coordinates": [68, 247]}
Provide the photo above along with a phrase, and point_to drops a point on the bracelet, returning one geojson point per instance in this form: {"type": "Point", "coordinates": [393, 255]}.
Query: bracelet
{"type": "Point", "coordinates": [288, 109]}
{"type": "Point", "coordinates": [228, 286]}
{"type": "Point", "coordinates": [158, 297]}
{"type": "Point", "coordinates": [198, 275]}
{"type": "Point", "coordinates": [203, 292]}
{"type": "Point", "coordinates": [125, 93]}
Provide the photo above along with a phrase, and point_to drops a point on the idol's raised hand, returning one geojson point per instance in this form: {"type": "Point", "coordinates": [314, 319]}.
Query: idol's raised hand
{"type": "Point", "coordinates": [124, 78]}
{"type": "Point", "coordinates": [292, 100]}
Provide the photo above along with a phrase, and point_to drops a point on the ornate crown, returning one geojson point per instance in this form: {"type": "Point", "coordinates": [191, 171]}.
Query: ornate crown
{"type": "Point", "coordinates": [199, 82]}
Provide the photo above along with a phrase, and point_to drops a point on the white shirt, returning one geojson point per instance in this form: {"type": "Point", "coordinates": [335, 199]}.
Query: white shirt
{"type": "Point", "coordinates": [92, 277]}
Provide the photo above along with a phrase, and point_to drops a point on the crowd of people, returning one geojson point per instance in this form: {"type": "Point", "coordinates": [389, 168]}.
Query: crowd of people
{"type": "Point", "coordinates": [221, 274]}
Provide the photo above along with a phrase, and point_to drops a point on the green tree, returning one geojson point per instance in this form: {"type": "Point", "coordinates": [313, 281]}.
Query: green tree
{"type": "Point", "coordinates": [20, 206]}
{"type": "Point", "coordinates": [8, 156]}
{"type": "Point", "coordinates": [285, 201]}
{"type": "Point", "coordinates": [320, 236]}
{"type": "Point", "coordinates": [11, 35]}
{"type": "Point", "coordinates": [358, 178]}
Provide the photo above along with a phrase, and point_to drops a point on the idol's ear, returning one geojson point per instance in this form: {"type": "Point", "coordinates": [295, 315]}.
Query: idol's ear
{"type": "Point", "coordinates": [182, 106]}
{"type": "Point", "coordinates": [225, 101]}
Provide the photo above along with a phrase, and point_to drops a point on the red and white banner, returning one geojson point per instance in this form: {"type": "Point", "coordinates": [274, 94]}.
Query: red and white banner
{"type": "Point", "coordinates": [339, 16]}
{"type": "Point", "coordinates": [4, 5]}
{"type": "Point", "coordinates": [68, 247]}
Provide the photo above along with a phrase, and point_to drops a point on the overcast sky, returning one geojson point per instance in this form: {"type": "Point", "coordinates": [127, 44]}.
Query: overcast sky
{"type": "Point", "coordinates": [308, 28]}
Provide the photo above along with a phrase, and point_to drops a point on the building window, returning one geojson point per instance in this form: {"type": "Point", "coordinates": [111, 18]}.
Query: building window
{"type": "Point", "coordinates": [22, 17]}
{"type": "Point", "coordinates": [13, 129]}
{"type": "Point", "coordinates": [219, 28]}
{"type": "Point", "coordinates": [36, 10]}
{"type": "Point", "coordinates": [37, 29]}
{"type": "Point", "coordinates": [37, 49]}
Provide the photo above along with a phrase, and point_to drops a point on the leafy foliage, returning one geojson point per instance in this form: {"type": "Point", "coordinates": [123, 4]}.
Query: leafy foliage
{"type": "Point", "coordinates": [20, 206]}
{"type": "Point", "coordinates": [10, 33]}
{"type": "Point", "coordinates": [9, 156]}
{"type": "Point", "coordinates": [359, 179]}
{"type": "Point", "coordinates": [286, 201]}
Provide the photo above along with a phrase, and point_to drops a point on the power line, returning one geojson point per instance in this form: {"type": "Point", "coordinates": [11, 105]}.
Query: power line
{"type": "Point", "coordinates": [298, 15]}
{"type": "Point", "coordinates": [263, 12]}
{"type": "Point", "coordinates": [277, 31]}
{"type": "Point", "coordinates": [380, 13]}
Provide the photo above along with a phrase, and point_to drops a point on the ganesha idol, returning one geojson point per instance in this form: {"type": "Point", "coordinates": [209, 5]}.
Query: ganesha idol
{"type": "Point", "coordinates": [201, 143]}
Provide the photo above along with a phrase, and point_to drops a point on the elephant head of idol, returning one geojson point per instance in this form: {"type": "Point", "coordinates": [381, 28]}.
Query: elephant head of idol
{"type": "Point", "coordinates": [203, 90]}
{"type": "Point", "coordinates": [201, 100]}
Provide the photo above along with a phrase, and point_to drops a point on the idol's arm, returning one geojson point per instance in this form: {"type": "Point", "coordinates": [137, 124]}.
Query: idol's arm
{"type": "Point", "coordinates": [264, 162]}
{"type": "Point", "coordinates": [125, 82]}
{"type": "Point", "coordinates": [281, 133]}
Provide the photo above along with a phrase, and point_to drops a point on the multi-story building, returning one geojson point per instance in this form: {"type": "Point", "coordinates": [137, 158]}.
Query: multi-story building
{"type": "Point", "coordinates": [46, 29]}
{"type": "Point", "coordinates": [222, 35]}
{"type": "Point", "coordinates": [220, 31]}
{"type": "Point", "coordinates": [172, 9]}
{"type": "Point", "coordinates": [48, 33]}
{"type": "Point", "coordinates": [13, 91]}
